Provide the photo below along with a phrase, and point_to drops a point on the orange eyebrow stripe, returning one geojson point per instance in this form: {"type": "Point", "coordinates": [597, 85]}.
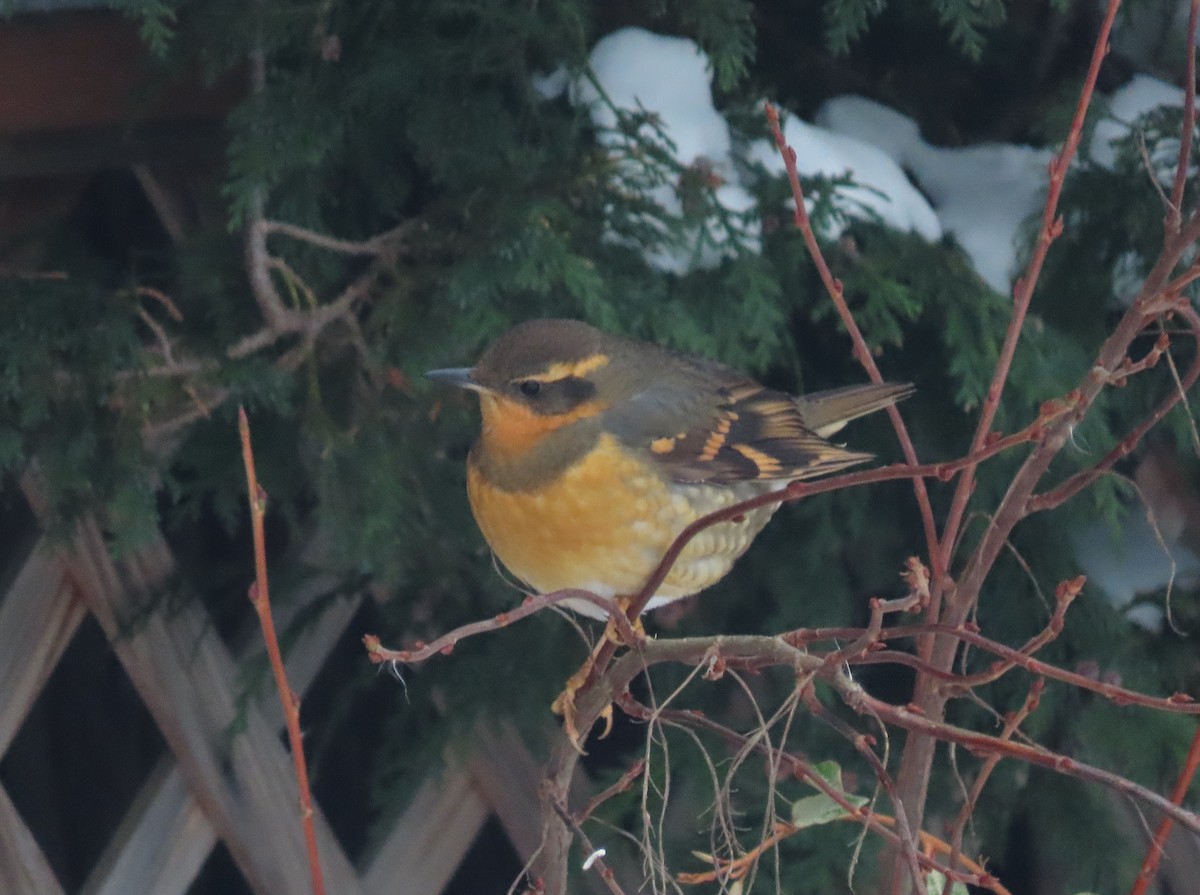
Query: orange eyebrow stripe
{"type": "Point", "coordinates": [579, 368]}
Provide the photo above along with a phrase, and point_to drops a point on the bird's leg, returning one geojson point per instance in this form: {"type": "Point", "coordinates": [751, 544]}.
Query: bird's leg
{"type": "Point", "coordinates": [613, 635]}
{"type": "Point", "coordinates": [564, 704]}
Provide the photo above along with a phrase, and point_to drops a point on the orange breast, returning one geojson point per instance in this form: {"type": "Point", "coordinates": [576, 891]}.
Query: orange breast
{"type": "Point", "coordinates": [604, 524]}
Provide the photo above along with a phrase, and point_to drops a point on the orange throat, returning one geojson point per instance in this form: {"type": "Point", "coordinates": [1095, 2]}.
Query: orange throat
{"type": "Point", "coordinates": [510, 429]}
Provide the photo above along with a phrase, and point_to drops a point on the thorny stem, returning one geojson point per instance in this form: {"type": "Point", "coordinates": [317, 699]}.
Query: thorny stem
{"type": "Point", "coordinates": [261, 600]}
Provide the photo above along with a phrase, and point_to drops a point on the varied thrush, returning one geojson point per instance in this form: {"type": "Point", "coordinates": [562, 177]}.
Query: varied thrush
{"type": "Point", "coordinates": [596, 451]}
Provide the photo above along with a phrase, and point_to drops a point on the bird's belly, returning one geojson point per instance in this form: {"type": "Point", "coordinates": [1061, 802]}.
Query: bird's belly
{"type": "Point", "coordinates": [604, 524]}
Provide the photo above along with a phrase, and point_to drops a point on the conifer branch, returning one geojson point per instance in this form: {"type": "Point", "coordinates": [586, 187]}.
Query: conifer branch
{"type": "Point", "coordinates": [387, 243]}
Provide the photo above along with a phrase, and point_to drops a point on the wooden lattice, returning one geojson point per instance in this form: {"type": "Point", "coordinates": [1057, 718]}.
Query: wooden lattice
{"type": "Point", "coordinates": [208, 789]}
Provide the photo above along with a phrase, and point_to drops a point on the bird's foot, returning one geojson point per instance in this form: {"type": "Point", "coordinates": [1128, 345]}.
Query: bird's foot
{"type": "Point", "coordinates": [564, 703]}
{"type": "Point", "coordinates": [613, 634]}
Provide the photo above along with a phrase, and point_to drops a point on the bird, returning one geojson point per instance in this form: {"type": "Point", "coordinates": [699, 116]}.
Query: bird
{"type": "Point", "coordinates": [597, 450]}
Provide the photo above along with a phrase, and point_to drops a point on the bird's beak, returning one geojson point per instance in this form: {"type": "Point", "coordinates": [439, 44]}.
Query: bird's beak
{"type": "Point", "coordinates": [459, 377]}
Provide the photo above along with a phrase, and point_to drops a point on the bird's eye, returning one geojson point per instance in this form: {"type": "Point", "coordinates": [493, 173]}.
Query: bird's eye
{"type": "Point", "coordinates": [530, 388]}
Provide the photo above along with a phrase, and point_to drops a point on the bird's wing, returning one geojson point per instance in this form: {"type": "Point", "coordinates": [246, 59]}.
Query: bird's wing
{"type": "Point", "coordinates": [713, 425]}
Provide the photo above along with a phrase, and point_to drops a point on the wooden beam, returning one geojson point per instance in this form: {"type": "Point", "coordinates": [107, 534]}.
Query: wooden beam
{"type": "Point", "coordinates": [428, 842]}
{"type": "Point", "coordinates": [161, 844]}
{"type": "Point", "coordinates": [187, 680]}
{"type": "Point", "coordinates": [23, 867]}
{"type": "Point", "coordinates": [425, 847]}
{"type": "Point", "coordinates": [87, 69]}
{"type": "Point", "coordinates": [165, 837]}
{"type": "Point", "coordinates": [509, 779]}
{"type": "Point", "coordinates": [38, 617]}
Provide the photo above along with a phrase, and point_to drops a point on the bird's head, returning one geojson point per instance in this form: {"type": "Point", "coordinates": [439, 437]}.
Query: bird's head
{"type": "Point", "coordinates": [539, 377]}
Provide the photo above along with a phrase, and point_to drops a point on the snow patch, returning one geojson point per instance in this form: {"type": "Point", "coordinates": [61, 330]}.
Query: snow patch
{"type": "Point", "coordinates": [1142, 94]}
{"type": "Point", "coordinates": [982, 194]}
{"type": "Point", "coordinates": [669, 78]}
{"type": "Point", "coordinates": [881, 188]}
{"type": "Point", "coordinates": [1135, 562]}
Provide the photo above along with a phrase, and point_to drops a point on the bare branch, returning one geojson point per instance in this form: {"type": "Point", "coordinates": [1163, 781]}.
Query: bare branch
{"type": "Point", "coordinates": [861, 350]}
{"type": "Point", "coordinates": [1175, 215]}
{"type": "Point", "coordinates": [386, 243]}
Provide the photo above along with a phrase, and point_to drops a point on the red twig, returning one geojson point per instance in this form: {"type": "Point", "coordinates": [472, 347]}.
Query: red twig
{"type": "Point", "coordinates": [794, 765]}
{"type": "Point", "coordinates": [1080, 480]}
{"type": "Point", "coordinates": [1155, 853]}
{"type": "Point", "coordinates": [1064, 596]}
{"type": "Point", "coordinates": [1011, 723]}
{"type": "Point", "coordinates": [1175, 213]}
{"type": "Point", "coordinates": [445, 644]}
{"type": "Point", "coordinates": [861, 350]}
{"type": "Point", "coordinates": [1051, 228]}
{"type": "Point", "coordinates": [260, 599]}
{"type": "Point", "coordinates": [622, 785]}
{"type": "Point", "coordinates": [595, 856]}
{"type": "Point", "coordinates": [1181, 703]}
{"type": "Point", "coordinates": [985, 744]}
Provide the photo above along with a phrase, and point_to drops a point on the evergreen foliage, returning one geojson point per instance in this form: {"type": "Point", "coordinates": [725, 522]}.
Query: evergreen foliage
{"type": "Point", "coordinates": [426, 116]}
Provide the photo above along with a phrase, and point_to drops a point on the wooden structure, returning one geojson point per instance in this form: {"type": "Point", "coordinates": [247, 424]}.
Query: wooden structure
{"type": "Point", "coordinates": [241, 792]}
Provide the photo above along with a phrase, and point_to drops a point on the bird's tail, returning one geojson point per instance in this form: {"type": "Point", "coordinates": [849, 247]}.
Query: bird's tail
{"type": "Point", "coordinates": [826, 412]}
